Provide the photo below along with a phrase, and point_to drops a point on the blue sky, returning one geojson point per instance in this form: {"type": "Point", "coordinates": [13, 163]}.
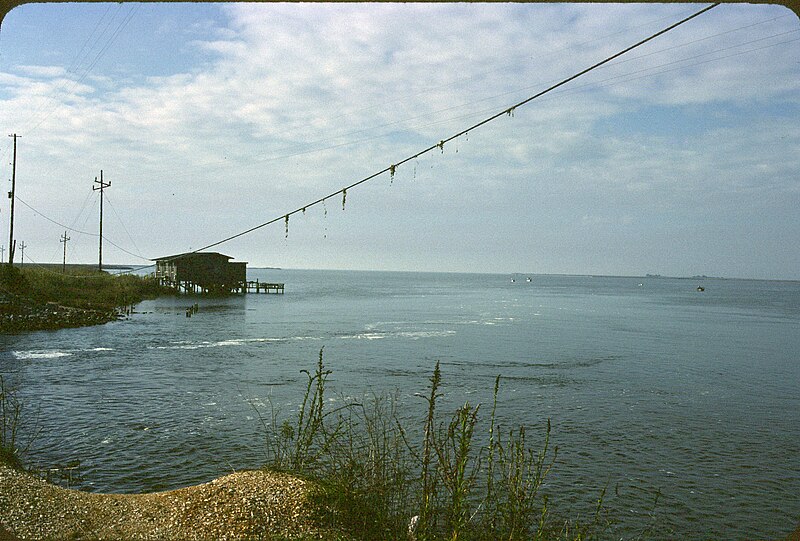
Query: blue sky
{"type": "Point", "coordinates": [679, 158]}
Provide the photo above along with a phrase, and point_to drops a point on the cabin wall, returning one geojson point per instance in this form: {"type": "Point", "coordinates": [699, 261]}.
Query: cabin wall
{"type": "Point", "coordinates": [203, 272]}
{"type": "Point", "coordinates": [202, 269]}
{"type": "Point", "coordinates": [166, 271]}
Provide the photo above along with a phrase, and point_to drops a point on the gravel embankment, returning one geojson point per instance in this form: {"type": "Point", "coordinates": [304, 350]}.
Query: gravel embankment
{"type": "Point", "coordinates": [243, 505]}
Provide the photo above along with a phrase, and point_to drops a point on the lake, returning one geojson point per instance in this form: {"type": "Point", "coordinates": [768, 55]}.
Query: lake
{"type": "Point", "coordinates": [652, 387]}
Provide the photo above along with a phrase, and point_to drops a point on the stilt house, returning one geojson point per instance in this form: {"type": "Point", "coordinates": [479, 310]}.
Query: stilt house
{"type": "Point", "coordinates": [202, 272]}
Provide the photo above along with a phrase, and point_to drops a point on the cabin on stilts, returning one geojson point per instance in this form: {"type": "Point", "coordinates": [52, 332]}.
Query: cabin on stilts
{"type": "Point", "coordinates": [208, 272]}
{"type": "Point", "coordinates": [202, 272]}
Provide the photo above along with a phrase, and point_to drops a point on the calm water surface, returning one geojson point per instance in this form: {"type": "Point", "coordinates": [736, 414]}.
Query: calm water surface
{"type": "Point", "coordinates": [651, 387]}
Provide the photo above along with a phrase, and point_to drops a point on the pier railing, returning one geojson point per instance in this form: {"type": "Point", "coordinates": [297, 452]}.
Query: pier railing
{"type": "Point", "coordinates": [254, 286]}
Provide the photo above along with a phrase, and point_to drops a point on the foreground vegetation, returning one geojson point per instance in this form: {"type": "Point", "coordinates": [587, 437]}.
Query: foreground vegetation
{"type": "Point", "coordinates": [10, 421]}
{"type": "Point", "coordinates": [445, 482]}
{"type": "Point", "coordinates": [33, 298]}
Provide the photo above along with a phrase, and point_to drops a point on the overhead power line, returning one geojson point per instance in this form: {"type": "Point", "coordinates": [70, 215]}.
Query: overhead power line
{"type": "Point", "coordinates": [18, 198]}
{"type": "Point", "coordinates": [440, 145]}
{"type": "Point", "coordinates": [387, 128]}
{"type": "Point", "coordinates": [121, 26]}
{"type": "Point", "coordinates": [118, 247]}
{"type": "Point", "coordinates": [68, 228]}
{"type": "Point", "coordinates": [130, 238]}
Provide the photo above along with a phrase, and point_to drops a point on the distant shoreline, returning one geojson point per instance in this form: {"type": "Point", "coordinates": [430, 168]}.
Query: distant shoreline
{"type": "Point", "coordinates": [80, 266]}
{"type": "Point", "coordinates": [533, 274]}
{"type": "Point", "coordinates": [128, 267]}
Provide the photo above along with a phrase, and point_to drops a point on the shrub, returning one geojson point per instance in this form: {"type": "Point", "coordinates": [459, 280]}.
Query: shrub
{"type": "Point", "coordinates": [12, 279]}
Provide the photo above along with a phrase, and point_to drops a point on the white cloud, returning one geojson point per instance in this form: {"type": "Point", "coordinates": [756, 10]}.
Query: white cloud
{"type": "Point", "coordinates": [42, 71]}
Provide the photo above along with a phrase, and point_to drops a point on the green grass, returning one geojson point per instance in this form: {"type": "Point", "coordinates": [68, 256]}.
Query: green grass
{"type": "Point", "coordinates": [79, 288]}
{"type": "Point", "coordinates": [376, 474]}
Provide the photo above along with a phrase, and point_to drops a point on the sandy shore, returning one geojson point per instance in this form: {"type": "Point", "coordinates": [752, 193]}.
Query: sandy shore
{"type": "Point", "coordinates": [243, 505]}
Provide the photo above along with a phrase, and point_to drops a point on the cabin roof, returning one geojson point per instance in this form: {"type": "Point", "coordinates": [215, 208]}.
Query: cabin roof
{"type": "Point", "coordinates": [192, 255]}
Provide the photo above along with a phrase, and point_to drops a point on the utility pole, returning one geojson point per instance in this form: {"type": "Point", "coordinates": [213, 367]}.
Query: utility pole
{"type": "Point", "coordinates": [100, 186]}
{"type": "Point", "coordinates": [11, 244]}
{"type": "Point", "coordinates": [64, 239]}
{"type": "Point", "coordinates": [22, 246]}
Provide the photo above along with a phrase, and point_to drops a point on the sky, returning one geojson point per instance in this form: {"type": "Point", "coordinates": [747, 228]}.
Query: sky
{"type": "Point", "coordinates": [679, 158]}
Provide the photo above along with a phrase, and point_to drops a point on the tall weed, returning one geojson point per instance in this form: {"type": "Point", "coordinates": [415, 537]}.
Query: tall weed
{"type": "Point", "coordinates": [11, 421]}
{"type": "Point", "coordinates": [380, 482]}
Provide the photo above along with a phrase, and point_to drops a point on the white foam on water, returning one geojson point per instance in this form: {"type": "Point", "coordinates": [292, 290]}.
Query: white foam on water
{"type": "Point", "coordinates": [197, 345]}
{"type": "Point", "coordinates": [413, 335]}
{"type": "Point", "coordinates": [232, 342]}
{"type": "Point", "coordinates": [40, 354]}
{"type": "Point", "coordinates": [183, 344]}
{"type": "Point", "coordinates": [416, 335]}
{"type": "Point", "coordinates": [365, 336]}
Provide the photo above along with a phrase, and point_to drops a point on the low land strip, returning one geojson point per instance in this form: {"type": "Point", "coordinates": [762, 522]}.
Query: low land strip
{"type": "Point", "coordinates": [38, 298]}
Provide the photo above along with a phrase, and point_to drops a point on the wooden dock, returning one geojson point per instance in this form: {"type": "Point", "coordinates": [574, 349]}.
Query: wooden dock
{"type": "Point", "coordinates": [254, 286]}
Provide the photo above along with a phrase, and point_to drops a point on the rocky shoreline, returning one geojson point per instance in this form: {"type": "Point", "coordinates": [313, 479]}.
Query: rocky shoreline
{"type": "Point", "coordinates": [23, 315]}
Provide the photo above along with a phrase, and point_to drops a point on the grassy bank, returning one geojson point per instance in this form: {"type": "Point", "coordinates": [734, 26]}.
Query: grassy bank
{"type": "Point", "coordinates": [34, 298]}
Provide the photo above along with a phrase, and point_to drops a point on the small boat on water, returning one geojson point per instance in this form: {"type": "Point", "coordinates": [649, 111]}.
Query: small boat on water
{"type": "Point", "coordinates": [700, 288]}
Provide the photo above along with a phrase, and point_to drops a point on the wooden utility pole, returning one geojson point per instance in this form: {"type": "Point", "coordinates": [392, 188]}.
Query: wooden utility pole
{"type": "Point", "coordinates": [64, 239]}
{"type": "Point", "coordinates": [100, 186]}
{"type": "Point", "coordinates": [22, 246]}
{"type": "Point", "coordinates": [11, 244]}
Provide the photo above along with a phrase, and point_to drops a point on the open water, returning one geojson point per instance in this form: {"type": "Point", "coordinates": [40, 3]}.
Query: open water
{"type": "Point", "coordinates": [652, 387]}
